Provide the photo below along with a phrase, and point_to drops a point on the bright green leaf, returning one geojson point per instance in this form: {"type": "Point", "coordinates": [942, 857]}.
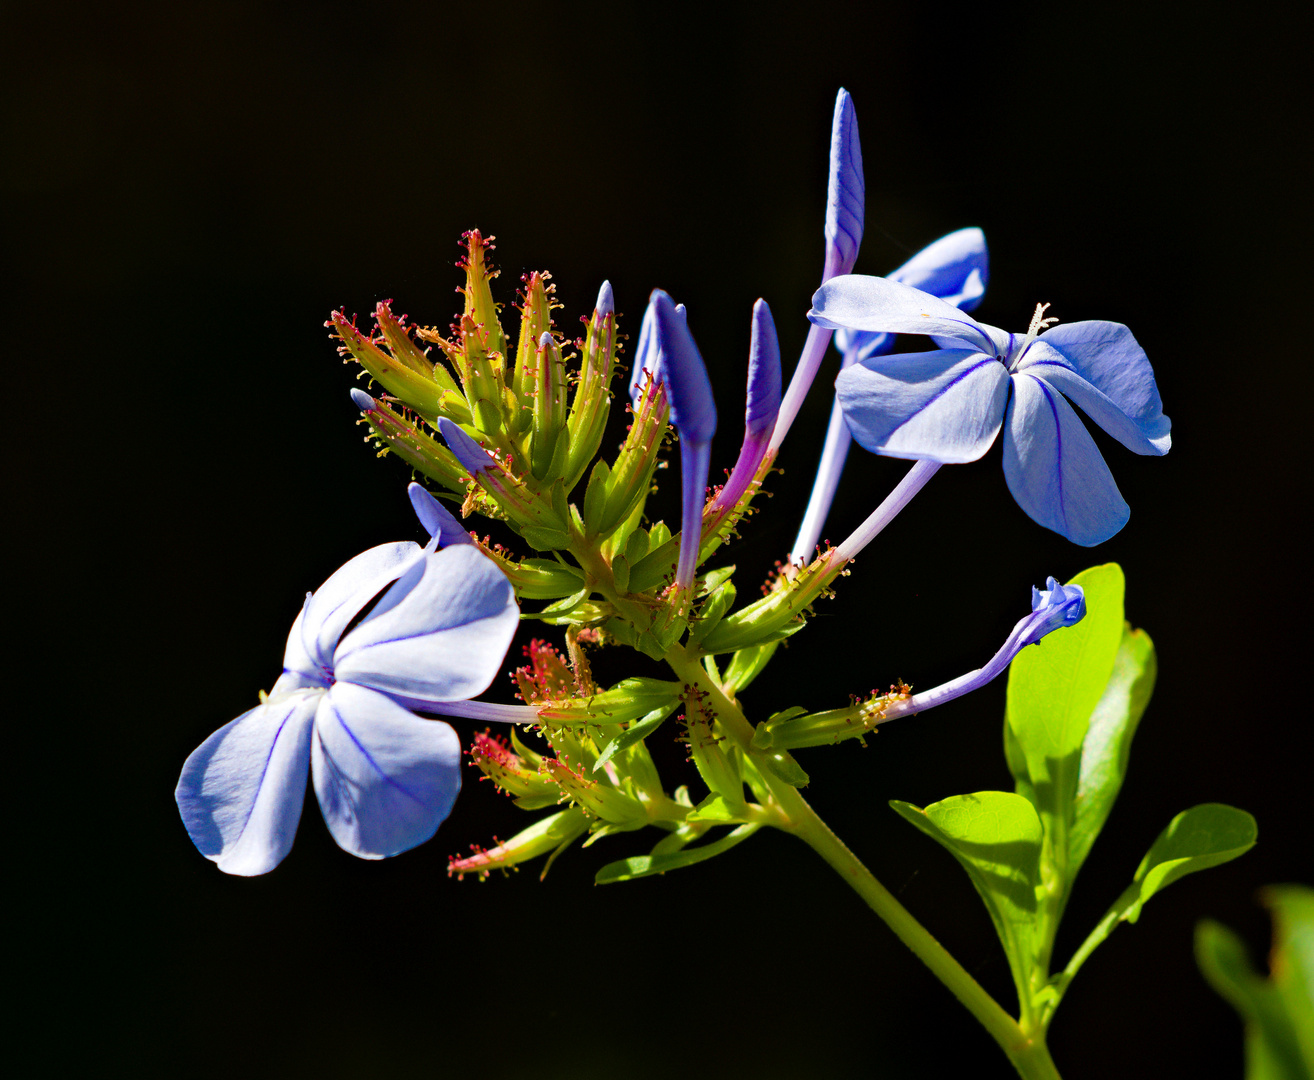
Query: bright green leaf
{"type": "Point", "coordinates": [1195, 839]}
{"type": "Point", "coordinates": [1107, 745]}
{"type": "Point", "coordinates": [647, 865]}
{"type": "Point", "coordinates": [996, 836]}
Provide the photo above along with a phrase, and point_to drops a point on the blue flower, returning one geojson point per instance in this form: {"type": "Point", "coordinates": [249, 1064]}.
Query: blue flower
{"type": "Point", "coordinates": [954, 268]}
{"type": "Point", "coordinates": [948, 405]}
{"type": "Point", "coordinates": [439, 627]}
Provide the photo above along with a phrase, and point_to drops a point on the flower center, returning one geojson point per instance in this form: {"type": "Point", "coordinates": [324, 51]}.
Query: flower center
{"type": "Point", "coordinates": [1017, 347]}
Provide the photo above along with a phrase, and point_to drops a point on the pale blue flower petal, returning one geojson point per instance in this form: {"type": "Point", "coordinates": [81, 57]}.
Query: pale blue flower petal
{"type": "Point", "coordinates": [241, 791]}
{"type": "Point", "coordinates": [1050, 365]}
{"type": "Point", "coordinates": [299, 669]}
{"type": "Point", "coordinates": [436, 518]}
{"type": "Point", "coordinates": [385, 779]}
{"type": "Point", "coordinates": [845, 192]}
{"type": "Point", "coordinates": [1114, 383]}
{"type": "Point", "coordinates": [1054, 469]}
{"type": "Point", "coordinates": [944, 406]}
{"type": "Point", "coordinates": [442, 637]}
{"type": "Point", "coordinates": [344, 595]}
{"type": "Point", "coordinates": [860, 302]}
{"type": "Point", "coordinates": [689, 391]}
{"type": "Point", "coordinates": [955, 268]}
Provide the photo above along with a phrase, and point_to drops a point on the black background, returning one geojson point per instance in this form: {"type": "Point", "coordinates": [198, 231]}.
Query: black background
{"type": "Point", "coordinates": [190, 188]}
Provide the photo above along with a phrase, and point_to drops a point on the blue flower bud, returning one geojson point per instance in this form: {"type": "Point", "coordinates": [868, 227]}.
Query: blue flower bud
{"type": "Point", "coordinates": [846, 191]}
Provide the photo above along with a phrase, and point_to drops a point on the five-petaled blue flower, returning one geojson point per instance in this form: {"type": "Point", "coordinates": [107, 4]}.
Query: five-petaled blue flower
{"type": "Point", "coordinates": [439, 627]}
{"type": "Point", "coordinates": [949, 405]}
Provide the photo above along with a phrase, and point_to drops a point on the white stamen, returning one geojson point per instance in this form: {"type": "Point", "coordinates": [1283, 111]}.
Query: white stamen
{"type": "Point", "coordinates": [1039, 323]}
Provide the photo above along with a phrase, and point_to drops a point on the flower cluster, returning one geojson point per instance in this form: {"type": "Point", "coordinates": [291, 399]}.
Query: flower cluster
{"type": "Point", "coordinates": [513, 432]}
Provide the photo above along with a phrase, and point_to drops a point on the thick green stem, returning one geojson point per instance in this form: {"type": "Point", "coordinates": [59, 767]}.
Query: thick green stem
{"type": "Point", "coordinates": [1028, 1053]}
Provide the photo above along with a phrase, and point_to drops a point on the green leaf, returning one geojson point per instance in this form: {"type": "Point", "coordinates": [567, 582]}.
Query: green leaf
{"type": "Point", "coordinates": [544, 538]}
{"type": "Point", "coordinates": [561, 607]}
{"type": "Point", "coordinates": [647, 865]}
{"type": "Point", "coordinates": [1278, 1011]}
{"type": "Point", "coordinates": [1054, 685]}
{"type": "Point", "coordinates": [720, 599]}
{"type": "Point", "coordinates": [782, 765]}
{"type": "Point", "coordinates": [996, 836]}
{"type": "Point", "coordinates": [1195, 839]}
{"type": "Point", "coordinates": [538, 802]}
{"type": "Point", "coordinates": [641, 729]}
{"type": "Point", "coordinates": [1107, 745]}
{"type": "Point", "coordinates": [747, 665]}
{"type": "Point", "coordinates": [620, 573]}
{"type": "Point", "coordinates": [715, 809]}
{"type": "Point", "coordinates": [595, 496]}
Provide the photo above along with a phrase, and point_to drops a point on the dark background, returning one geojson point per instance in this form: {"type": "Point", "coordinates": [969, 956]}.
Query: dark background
{"type": "Point", "coordinates": [190, 188]}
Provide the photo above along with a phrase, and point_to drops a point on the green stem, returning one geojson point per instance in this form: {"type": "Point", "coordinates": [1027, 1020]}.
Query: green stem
{"type": "Point", "coordinates": [1028, 1053]}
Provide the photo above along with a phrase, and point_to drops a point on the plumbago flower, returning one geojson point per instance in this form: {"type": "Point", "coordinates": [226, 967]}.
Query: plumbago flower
{"type": "Point", "coordinates": [385, 778]}
{"type": "Point", "coordinates": [948, 405]}
{"type": "Point", "coordinates": [954, 268]}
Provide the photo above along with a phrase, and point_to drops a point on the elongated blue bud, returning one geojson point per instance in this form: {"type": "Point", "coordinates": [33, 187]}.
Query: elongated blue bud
{"type": "Point", "coordinates": [846, 192]}
{"type": "Point", "coordinates": [468, 452]}
{"type": "Point", "coordinates": [693, 414]}
{"type": "Point", "coordinates": [845, 202]}
{"type": "Point", "coordinates": [436, 518]}
{"type": "Point", "coordinates": [763, 372]}
{"type": "Point", "coordinates": [762, 408]}
{"type": "Point", "coordinates": [606, 304]}
{"type": "Point", "coordinates": [681, 367]}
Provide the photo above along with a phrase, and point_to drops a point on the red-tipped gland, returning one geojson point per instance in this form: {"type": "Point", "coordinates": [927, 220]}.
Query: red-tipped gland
{"type": "Point", "coordinates": [546, 677]}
